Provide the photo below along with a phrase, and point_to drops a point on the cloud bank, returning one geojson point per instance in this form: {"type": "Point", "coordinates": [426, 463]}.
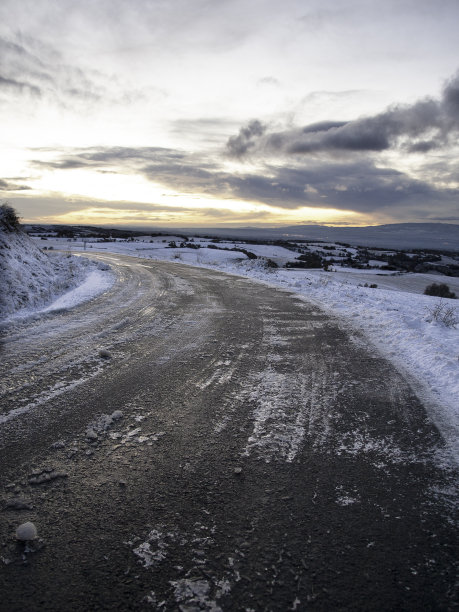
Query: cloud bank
{"type": "Point", "coordinates": [418, 128]}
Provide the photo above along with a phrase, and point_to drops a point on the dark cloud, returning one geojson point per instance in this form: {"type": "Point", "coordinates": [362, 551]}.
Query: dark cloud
{"type": "Point", "coordinates": [240, 145]}
{"type": "Point", "coordinates": [114, 154]}
{"type": "Point", "coordinates": [359, 186]}
{"type": "Point", "coordinates": [354, 184]}
{"type": "Point", "coordinates": [423, 146]}
{"type": "Point", "coordinates": [450, 101]}
{"type": "Point", "coordinates": [6, 185]}
{"type": "Point", "coordinates": [63, 164]}
{"type": "Point", "coordinates": [403, 127]}
{"type": "Point", "coordinates": [323, 126]}
{"type": "Point", "coordinates": [98, 158]}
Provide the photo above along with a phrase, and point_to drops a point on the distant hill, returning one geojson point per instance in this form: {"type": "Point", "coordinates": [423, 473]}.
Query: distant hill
{"type": "Point", "coordinates": [400, 235]}
{"type": "Point", "coordinates": [439, 236]}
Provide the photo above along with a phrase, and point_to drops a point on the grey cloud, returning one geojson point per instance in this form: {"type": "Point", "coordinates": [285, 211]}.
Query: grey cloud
{"type": "Point", "coordinates": [321, 18]}
{"type": "Point", "coordinates": [22, 66]}
{"type": "Point", "coordinates": [6, 185]}
{"type": "Point", "coordinates": [323, 126]}
{"type": "Point", "coordinates": [210, 131]}
{"type": "Point", "coordinates": [356, 136]}
{"type": "Point", "coordinates": [19, 86]}
{"type": "Point", "coordinates": [376, 134]}
{"type": "Point", "coordinates": [321, 96]}
{"type": "Point", "coordinates": [202, 123]}
{"type": "Point", "coordinates": [29, 67]}
{"type": "Point", "coordinates": [450, 100]}
{"type": "Point", "coordinates": [240, 145]}
{"type": "Point", "coordinates": [269, 80]}
{"type": "Point", "coordinates": [99, 158]}
{"type": "Point", "coordinates": [398, 127]}
{"type": "Point", "coordinates": [113, 154]}
{"type": "Point", "coordinates": [423, 146]}
{"type": "Point", "coordinates": [63, 164]}
{"type": "Point", "coordinates": [357, 185]}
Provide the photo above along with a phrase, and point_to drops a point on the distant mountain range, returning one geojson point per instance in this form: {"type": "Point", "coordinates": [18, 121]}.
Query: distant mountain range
{"type": "Point", "coordinates": [439, 236]}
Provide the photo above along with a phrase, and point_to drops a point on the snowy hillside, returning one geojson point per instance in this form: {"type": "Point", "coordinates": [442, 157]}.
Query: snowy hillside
{"type": "Point", "coordinates": [31, 279]}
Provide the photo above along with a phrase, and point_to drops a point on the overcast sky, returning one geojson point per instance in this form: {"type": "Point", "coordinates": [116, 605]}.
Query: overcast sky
{"type": "Point", "coordinates": [238, 112]}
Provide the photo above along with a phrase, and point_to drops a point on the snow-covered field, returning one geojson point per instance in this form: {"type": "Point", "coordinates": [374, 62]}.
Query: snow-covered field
{"type": "Point", "coordinates": [395, 317]}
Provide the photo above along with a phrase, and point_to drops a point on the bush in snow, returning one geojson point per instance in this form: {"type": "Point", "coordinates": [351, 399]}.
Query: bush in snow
{"type": "Point", "coordinates": [443, 313]}
{"type": "Point", "coordinates": [439, 290]}
{"type": "Point", "coordinates": [308, 260]}
{"type": "Point", "coordinates": [9, 220]}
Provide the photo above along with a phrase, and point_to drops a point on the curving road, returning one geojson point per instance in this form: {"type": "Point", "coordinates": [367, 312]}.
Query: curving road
{"type": "Point", "coordinates": [237, 449]}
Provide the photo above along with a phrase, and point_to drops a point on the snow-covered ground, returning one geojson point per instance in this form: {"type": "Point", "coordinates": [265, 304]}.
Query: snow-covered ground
{"type": "Point", "coordinates": [395, 317]}
{"type": "Point", "coordinates": [34, 281]}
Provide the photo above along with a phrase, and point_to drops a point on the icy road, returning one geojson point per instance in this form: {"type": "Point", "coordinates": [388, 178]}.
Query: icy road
{"type": "Point", "coordinates": [191, 440]}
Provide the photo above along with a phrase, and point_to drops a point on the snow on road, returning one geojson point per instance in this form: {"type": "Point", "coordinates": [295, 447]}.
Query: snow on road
{"type": "Point", "coordinates": [95, 283]}
{"type": "Point", "coordinates": [396, 318]}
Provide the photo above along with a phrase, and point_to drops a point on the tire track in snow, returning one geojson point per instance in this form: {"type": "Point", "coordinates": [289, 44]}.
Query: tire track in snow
{"type": "Point", "coordinates": [292, 399]}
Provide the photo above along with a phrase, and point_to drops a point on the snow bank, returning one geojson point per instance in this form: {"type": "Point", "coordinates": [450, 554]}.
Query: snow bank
{"type": "Point", "coordinates": [95, 283]}
{"type": "Point", "coordinates": [31, 279]}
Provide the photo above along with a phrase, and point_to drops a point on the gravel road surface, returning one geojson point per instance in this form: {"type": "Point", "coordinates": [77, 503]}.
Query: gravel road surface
{"type": "Point", "coordinates": [191, 440]}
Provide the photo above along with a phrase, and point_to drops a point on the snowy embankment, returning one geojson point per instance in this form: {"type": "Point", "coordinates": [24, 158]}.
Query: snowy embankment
{"type": "Point", "coordinates": [33, 281]}
{"type": "Point", "coordinates": [396, 319]}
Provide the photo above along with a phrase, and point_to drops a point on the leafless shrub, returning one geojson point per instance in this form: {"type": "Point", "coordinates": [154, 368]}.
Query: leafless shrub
{"type": "Point", "coordinates": [441, 312]}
